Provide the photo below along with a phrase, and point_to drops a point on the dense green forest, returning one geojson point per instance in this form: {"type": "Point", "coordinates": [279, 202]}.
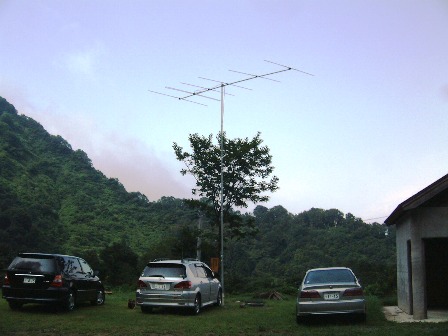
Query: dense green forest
{"type": "Point", "coordinates": [53, 200]}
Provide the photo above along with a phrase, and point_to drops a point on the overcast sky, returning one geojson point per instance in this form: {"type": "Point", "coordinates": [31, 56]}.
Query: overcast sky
{"type": "Point", "coordinates": [368, 130]}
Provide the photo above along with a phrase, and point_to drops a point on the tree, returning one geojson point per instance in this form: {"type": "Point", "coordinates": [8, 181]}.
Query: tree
{"type": "Point", "coordinates": [247, 169]}
{"type": "Point", "coordinates": [120, 264]}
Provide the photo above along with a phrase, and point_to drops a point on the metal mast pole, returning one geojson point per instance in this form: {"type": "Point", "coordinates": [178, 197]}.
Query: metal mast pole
{"type": "Point", "coordinates": [200, 93]}
{"type": "Point", "coordinates": [222, 191]}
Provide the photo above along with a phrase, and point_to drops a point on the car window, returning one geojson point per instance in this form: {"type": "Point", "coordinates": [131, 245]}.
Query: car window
{"type": "Point", "coordinates": [166, 270]}
{"type": "Point", "coordinates": [70, 266]}
{"type": "Point", "coordinates": [33, 264]}
{"type": "Point", "coordinates": [201, 271]}
{"type": "Point", "coordinates": [208, 271]}
{"type": "Point", "coordinates": [86, 267]}
{"type": "Point", "coordinates": [193, 270]}
{"type": "Point", "coordinates": [329, 276]}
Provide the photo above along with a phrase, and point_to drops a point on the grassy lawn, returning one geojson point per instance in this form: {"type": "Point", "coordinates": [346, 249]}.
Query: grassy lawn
{"type": "Point", "coordinates": [274, 318]}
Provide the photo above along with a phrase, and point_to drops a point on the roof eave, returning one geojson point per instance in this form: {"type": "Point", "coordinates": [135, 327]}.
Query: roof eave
{"type": "Point", "coordinates": [418, 199]}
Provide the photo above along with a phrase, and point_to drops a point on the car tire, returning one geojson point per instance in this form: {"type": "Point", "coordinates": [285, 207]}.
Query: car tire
{"type": "Point", "coordinates": [100, 298]}
{"type": "Point", "coordinates": [15, 305]}
{"type": "Point", "coordinates": [197, 305]}
{"type": "Point", "coordinates": [362, 318]}
{"type": "Point", "coordinates": [218, 302]}
{"type": "Point", "coordinates": [146, 309]}
{"type": "Point", "coordinates": [70, 302]}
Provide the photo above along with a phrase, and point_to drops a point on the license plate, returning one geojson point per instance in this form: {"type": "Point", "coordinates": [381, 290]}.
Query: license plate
{"type": "Point", "coordinates": [161, 286]}
{"type": "Point", "coordinates": [29, 280]}
{"type": "Point", "coordinates": [331, 296]}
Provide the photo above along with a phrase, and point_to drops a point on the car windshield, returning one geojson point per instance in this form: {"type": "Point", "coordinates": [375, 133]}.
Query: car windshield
{"type": "Point", "coordinates": [165, 270]}
{"type": "Point", "coordinates": [33, 264]}
{"type": "Point", "coordinates": [329, 276]}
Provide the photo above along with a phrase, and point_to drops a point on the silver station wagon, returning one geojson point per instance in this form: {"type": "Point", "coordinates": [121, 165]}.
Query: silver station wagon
{"type": "Point", "coordinates": [328, 291]}
{"type": "Point", "coordinates": [186, 283]}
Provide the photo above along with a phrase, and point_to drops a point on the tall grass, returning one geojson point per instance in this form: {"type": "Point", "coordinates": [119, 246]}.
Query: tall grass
{"type": "Point", "coordinates": [274, 318]}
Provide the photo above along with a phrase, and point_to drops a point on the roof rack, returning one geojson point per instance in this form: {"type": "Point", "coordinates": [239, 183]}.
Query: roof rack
{"type": "Point", "coordinates": [189, 259]}
{"type": "Point", "coordinates": [161, 259]}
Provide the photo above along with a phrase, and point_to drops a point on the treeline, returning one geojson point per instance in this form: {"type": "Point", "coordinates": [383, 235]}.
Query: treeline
{"type": "Point", "coordinates": [287, 245]}
{"type": "Point", "coordinates": [53, 200]}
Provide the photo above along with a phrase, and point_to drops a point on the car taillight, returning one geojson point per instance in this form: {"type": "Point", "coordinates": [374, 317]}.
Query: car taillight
{"type": "Point", "coordinates": [353, 292]}
{"type": "Point", "coordinates": [141, 284]}
{"type": "Point", "coordinates": [57, 281]}
{"type": "Point", "coordinates": [183, 285]}
{"type": "Point", "coordinates": [309, 294]}
{"type": "Point", "coordinates": [6, 280]}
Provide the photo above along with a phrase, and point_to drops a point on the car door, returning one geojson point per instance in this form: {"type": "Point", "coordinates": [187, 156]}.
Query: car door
{"type": "Point", "coordinates": [212, 282]}
{"type": "Point", "coordinates": [204, 283]}
{"type": "Point", "coordinates": [72, 272]}
{"type": "Point", "coordinates": [89, 279]}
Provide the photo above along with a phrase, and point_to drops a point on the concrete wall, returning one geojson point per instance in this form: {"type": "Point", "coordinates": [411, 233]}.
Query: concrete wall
{"type": "Point", "coordinates": [403, 275]}
{"type": "Point", "coordinates": [420, 223]}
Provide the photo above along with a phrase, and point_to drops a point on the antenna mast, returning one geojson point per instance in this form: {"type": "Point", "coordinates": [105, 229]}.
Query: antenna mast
{"type": "Point", "coordinates": [221, 86]}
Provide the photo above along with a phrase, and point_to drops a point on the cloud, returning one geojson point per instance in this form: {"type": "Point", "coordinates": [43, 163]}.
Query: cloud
{"type": "Point", "coordinates": [85, 63]}
{"type": "Point", "coordinates": [138, 167]}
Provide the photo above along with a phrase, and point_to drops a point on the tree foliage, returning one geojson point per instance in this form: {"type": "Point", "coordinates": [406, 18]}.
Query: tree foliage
{"type": "Point", "coordinates": [246, 177]}
{"type": "Point", "coordinates": [247, 170]}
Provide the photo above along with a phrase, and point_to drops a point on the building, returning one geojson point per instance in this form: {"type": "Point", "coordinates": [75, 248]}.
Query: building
{"type": "Point", "coordinates": [422, 250]}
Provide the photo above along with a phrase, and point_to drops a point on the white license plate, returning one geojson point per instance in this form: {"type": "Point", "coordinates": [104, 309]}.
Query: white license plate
{"type": "Point", "coordinates": [331, 296]}
{"type": "Point", "coordinates": [29, 280]}
{"type": "Point", "coordinates": [161, 286]}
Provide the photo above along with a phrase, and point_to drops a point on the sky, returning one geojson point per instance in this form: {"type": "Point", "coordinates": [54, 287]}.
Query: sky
{"type": "Point", "coordinates": [364, 132]}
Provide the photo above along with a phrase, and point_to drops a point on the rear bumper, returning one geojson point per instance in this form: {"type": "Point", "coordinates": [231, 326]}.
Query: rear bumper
{"type": "Point", "coordinates": [357, 306]}
{"type": "Point", "coordinates": [34, 295]}
{"type": "Point", "coordinates": [168, 299]}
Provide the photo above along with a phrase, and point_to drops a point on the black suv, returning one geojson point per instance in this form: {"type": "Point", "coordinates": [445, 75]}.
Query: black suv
{"type": "Point", "coordinates": [51, 278]}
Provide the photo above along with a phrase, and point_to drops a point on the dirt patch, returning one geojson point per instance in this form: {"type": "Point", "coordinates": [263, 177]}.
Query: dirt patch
{"type": "Point", "coordinates": [395, 314]}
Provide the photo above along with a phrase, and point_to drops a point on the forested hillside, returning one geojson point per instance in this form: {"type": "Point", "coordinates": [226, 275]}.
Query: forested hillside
{"type": "Point", "coordinates": [53, 200]}
{"type": "Point", "coordinates": [287, 245]}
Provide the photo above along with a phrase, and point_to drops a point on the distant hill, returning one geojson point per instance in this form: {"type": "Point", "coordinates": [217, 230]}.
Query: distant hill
{"type": "Point", "coordinates": [53, 200]}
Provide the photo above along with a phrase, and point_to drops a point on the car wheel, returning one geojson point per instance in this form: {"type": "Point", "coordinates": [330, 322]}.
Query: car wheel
{"type": "Point", "coordinates": [146, 309]}
{"type": "Point", "coordinates": [69, 302]}
{"type": "Point", "coordinates": [219, 299]}
{"type": "Point", "coordinates": [197, 305]}
{"type": "Point", "coordinates": [100, 298]}
{"type": "Point", "coordinates": [362, 318]}
{"type": "Point", "coordinates": [14, 305]}
{"type": "Point", "coordinates": [299, 319]}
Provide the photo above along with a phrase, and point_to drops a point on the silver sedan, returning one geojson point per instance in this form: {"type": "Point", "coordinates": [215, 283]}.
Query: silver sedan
{"type": "Point", "coordinates": [328, 291]}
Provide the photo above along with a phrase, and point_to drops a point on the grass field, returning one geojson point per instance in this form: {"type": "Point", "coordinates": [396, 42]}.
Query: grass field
{"type": "Point", "coordinates": [274, 318]}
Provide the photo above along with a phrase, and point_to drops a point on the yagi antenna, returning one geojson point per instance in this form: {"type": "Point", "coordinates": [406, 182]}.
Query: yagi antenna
{"type": "Point", "coordinates": [221, 85]}
{"type": "Point", "coordinates": [202, 87]}
{"type": "Point", "coordinates": [225, 84]}
{"type": "Point", "coordinates": [200, 93]}
{"type": "Point", "coordinates": [254, 76]}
